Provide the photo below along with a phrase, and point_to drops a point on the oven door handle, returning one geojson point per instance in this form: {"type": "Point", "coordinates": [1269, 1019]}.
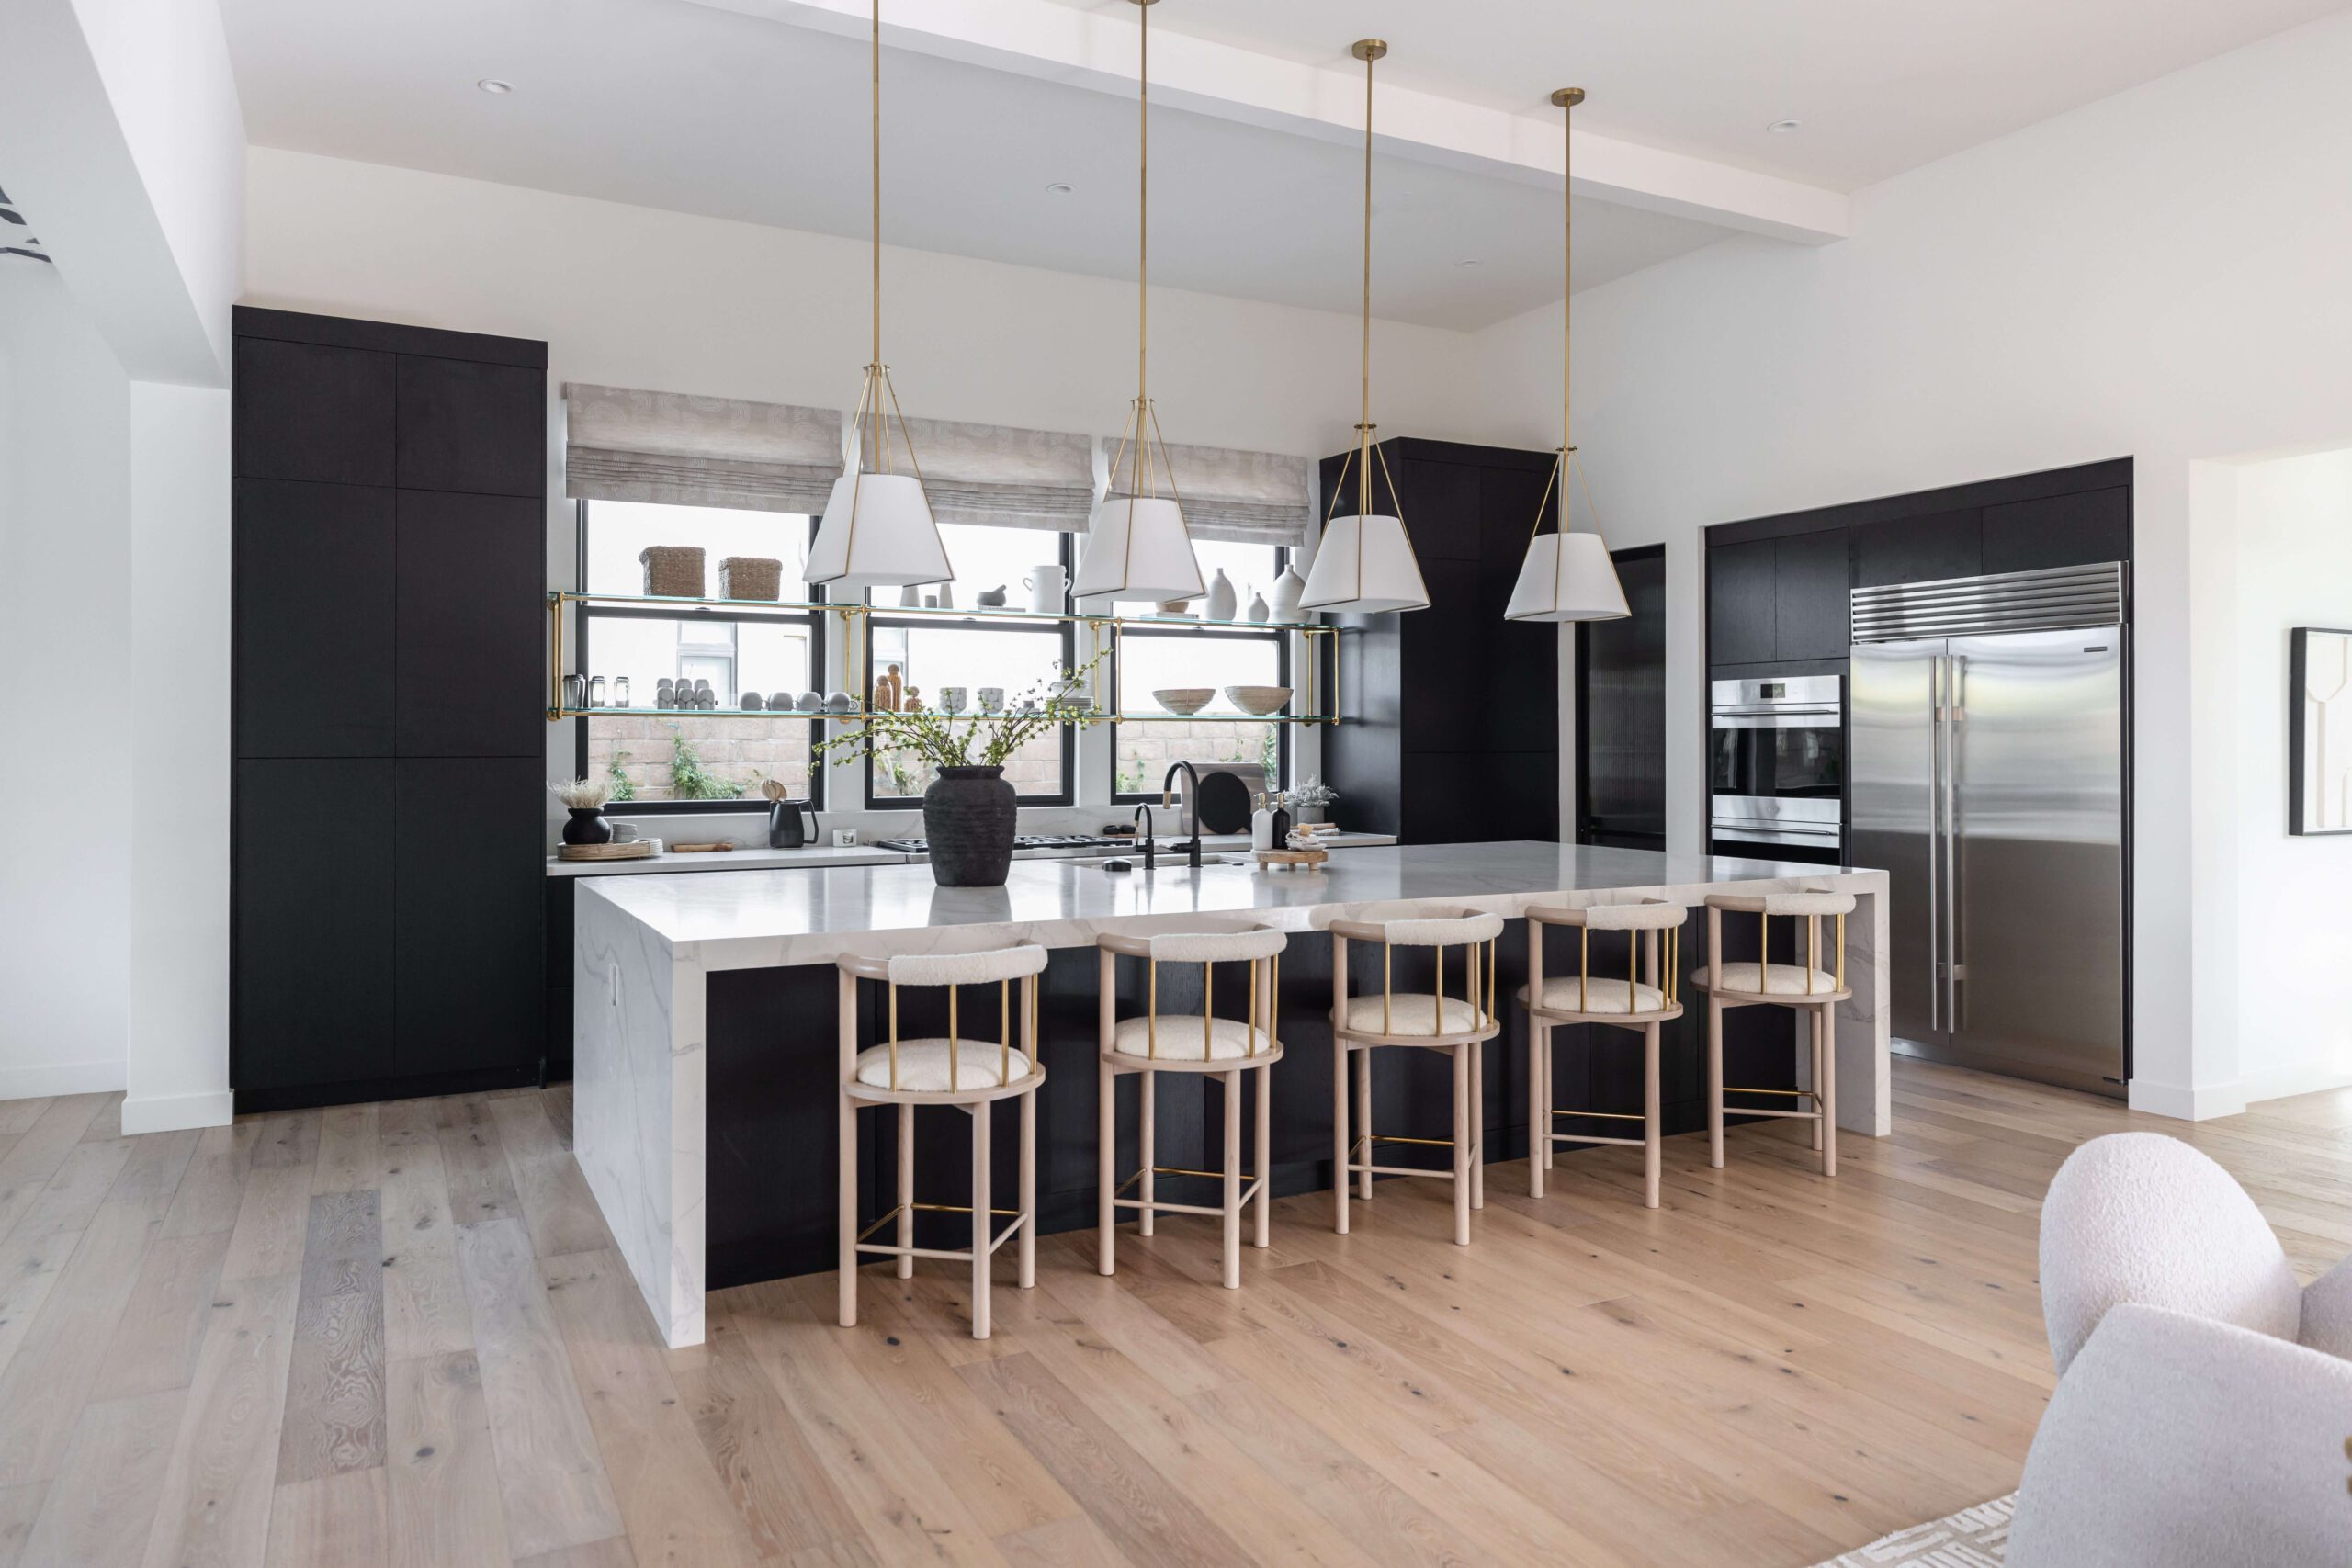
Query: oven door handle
{"type": "Point", "coordinates": [1781, 718]}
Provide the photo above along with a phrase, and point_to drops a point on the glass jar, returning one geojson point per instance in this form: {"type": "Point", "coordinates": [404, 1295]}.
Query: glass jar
{"type": "Point", "coordinates": [620, 690]}
{"type": "Point", "coordinates": [596, 691]}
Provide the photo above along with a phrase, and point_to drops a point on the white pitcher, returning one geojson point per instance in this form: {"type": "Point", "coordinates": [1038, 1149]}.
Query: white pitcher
{"type": "Point", "coordinates": [1046, 585]}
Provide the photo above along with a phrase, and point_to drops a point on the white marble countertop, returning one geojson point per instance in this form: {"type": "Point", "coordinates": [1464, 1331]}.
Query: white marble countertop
{"type": "Point", "coordinates": [748, 857]}
{"type": "Point", "coordinates": [815, 917]}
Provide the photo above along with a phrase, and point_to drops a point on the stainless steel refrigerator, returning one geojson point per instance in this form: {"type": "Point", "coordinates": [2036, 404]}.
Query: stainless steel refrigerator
{"type": "Point", "coordinates": [1989, 738]}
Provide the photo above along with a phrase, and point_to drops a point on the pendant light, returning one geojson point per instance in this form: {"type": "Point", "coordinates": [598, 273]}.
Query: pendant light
{"type": "Point", "coordinates": [1364, 563]}
{"type": "Point", "coordinates": [1137, 546]}
{"type": "Point", "coordinates": [1566, 577]}
{"type": "Point", "coordinates": [877, 530]}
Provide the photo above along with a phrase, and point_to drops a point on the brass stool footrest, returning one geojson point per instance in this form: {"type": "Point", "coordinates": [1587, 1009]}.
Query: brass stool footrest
{"type": "Point", "coordinates": [1605, 1115]}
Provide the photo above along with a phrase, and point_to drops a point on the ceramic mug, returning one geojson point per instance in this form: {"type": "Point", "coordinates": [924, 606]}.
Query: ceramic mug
{"type": "Point", "coordinates": [1046, 584]}
{"type": "Point", "coordinates": [991, 699]}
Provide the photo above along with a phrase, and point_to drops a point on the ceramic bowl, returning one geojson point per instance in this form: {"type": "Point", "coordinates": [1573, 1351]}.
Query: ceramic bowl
{"type": "Point", "coordinates": [1185, 699]}
{"type": "Point", "coordinates": [1259, 700]}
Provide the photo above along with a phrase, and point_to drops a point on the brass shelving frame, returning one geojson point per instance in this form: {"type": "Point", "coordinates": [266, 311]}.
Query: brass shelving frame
{"type": "Point", "coordinates": [1320, 636]}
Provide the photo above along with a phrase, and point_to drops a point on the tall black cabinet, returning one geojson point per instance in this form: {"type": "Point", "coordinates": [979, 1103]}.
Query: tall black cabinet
{"type": "Point", "coordinates": [1452, 733]}
{"type": "Point", "coordinates": [391, 541]}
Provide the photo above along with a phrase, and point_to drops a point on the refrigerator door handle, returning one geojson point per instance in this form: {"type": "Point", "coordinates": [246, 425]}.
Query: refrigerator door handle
{"type": "Point", "coordinates": [1955, 711]}
{"type": "Point", "coordinates": [1935, 791]}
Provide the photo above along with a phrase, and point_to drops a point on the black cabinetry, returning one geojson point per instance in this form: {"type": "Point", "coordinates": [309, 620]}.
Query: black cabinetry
{"type": "Point", "coordinates": [389, 560]}
{"type": "Point", "coordinates": [1451, 732]}
{"type": "Point", "coordinates": [1777, 599]}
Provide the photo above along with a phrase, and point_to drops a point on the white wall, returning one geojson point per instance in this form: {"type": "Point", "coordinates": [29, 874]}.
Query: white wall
{"type": "Point", "coordinates": [66, 692]}
{"type": "Point", "coordinates": [2160, 275]}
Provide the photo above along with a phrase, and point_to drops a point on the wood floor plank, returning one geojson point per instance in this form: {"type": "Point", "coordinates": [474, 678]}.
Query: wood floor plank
{"type": "Point", "coordinates": [480, 1185]}
{"type": "Point", "coordinates": [161, 1328]}
{"type": "Point", "coordinates": [16, 1115]}
{"type": "Point", "coordinates": [552, 1478]}
{"type": "Point", "coordinates": [349, 1158]}
{"type": "Point", "coordinates": [335, 1393]}
{"type": "Point", "coordinates": [49, 1379]}
{"type": "Point", "coordinates": [38, 1151]}
{"type": "Point", "coordinates": [329, 1522]}
{"type": "Point", "coordinates": [442, 1469]}
{"type": "Point", "coordinates": [151, 1174]}
{"type": "Point", "coordinates": [424, 1299]}
{"type": "Point", "coordinates": [557, 1205]}
{"type": "Point", "coordinates": [29, 1269]}
{"type": "Point", "coordinates": [102, 1504]}
{"type": "Point", "coordinates": [19, 1507]}
{"type": "Point", "coordinates": [678, 1513]}
{"type": "Point", "coordinates": [288, 1139]}
{"type": "Point", "coordinates": [771, 1478]}
{"type": "Point", "coordinates": [272, 1222]}
{"type": "Point", "coordinates": [212, 1187]}
{"type": "Point", "coordinates": [108, 1123]}
{"type": "Point", "coordinates": [213, 1508]}
{"type": "Point", "coordinates": [81, 1184]}
{"type": "Point", "coordinates": [613, 1553]}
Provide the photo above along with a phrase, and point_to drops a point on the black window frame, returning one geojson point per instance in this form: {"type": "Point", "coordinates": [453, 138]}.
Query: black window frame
{"type": "Point", "coordinates": [878, 614]}
{"type": "Point", "coordinates": [1237, 630]}
{"type": "Point", "coordinates": [815, 621]}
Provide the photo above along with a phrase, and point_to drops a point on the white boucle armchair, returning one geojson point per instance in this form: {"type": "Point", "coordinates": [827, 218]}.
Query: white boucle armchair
{"type": "Point", "coordinates": [2204, 1398]}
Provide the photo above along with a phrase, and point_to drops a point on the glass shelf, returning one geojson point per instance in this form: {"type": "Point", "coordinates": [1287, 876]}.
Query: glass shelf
{"type": "Point", "coordinates": [857, 714]}
{"type": "Point", "coordinates": [959, 612]}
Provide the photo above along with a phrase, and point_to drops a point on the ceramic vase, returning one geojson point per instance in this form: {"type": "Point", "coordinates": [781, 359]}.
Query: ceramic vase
{"type": "Point", "coordinates": [1257, 608]}
{"type": "Point", "coordinates": [968, 816]}
{"type": "Point", "coordinates": [1289, 589]}
{"type": "Point", "coordinates": [587, 826]}
{"type": "Point", "coordinates": [1222, 601]}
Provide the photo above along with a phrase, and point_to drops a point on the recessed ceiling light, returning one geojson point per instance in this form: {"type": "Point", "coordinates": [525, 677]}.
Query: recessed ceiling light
{"type": "Point", "coordinates": [1060, 188]}
{"type": "Point", "coordinates": [1782, 127]}
{"type": "Point", "coordinates": [491, 85]}
{"type": "Point", "coordinates": [1467, 261]}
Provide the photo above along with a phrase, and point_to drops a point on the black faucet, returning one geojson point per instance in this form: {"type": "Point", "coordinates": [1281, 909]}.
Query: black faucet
{"type": "Point", "coordinates": [1143, 815]}
{"type": "Point", "coordinates": [1192, 806]}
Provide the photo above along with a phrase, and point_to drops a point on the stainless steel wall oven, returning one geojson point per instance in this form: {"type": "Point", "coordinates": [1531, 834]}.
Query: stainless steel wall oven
{"type": "Point", "coordinates": [1778, 766]}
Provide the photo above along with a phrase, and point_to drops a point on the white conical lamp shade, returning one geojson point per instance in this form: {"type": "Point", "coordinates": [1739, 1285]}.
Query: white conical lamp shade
{"type": "Point", "coordinates": [1137, 548]}
{"type": "Point", "coordinates": [1566, 577]}
{"type": "Point", "coordinates": [1364, 566]}
{"type": "Point", "coordinates": [877, 532]}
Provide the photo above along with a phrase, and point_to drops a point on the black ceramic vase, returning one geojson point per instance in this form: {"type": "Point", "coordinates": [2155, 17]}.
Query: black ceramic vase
{"type": "Point", "coordinates": [968, 816]}
{"type": "Point", "coordinates": [587, 826]}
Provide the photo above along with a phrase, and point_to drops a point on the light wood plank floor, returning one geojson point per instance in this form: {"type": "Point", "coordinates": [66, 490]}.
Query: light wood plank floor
{"type": "Point", "coordinates": [396, 1335]}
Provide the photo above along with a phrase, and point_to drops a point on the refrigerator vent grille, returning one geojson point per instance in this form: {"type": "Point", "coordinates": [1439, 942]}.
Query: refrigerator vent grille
{"type": "Point", "coordinates": [2008, 601]}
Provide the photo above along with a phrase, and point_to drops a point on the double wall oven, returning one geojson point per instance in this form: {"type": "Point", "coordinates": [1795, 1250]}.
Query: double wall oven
{"type": "Point", "coordinates": [1777, 768]}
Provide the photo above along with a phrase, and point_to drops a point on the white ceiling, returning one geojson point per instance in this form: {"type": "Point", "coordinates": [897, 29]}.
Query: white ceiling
{"type": "Point", "coordinates": [700, 108]}
{"type": "Point", "coordinates": [1881, 86]}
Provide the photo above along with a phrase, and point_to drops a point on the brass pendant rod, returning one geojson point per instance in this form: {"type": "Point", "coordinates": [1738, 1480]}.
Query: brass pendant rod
{"type": "Point", "coordinates": [1142, 194]}
{"type": "Point", "coordinates": [1364, 431]}
{"type": "Point", "coordinates": [1568, 274]}
{"type": "Point", "coordinates": [876, 53]}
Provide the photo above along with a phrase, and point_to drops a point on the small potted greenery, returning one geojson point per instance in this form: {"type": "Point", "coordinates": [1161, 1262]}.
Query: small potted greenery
{"type": "Point", "coordinates": [1309, 800]}
{"type": "Point", "coordinates": [970, 811]}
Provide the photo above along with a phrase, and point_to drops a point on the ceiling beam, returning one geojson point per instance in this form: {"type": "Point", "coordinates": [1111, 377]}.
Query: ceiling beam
{"type": "Point", "coordinates": [1095, 49]}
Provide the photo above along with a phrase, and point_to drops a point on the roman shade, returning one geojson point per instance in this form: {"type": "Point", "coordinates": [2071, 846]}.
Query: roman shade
{"type": "Point", "coordinates": [1243, 498]}
{"type": "Point", "coordinates": [1003, 476]}
{"type": "Point", "coordinates": [681, 450]}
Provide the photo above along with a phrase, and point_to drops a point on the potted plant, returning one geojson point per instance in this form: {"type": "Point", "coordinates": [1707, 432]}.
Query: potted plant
{"type": "Point", "coordinates": [1308, 801]}
{"type": "Point", "coordinates": [968, 812]}
{"type": "Point", "coordinates": [585, 798]}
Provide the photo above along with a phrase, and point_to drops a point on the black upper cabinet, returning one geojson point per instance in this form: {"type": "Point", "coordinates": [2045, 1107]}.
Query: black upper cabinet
{"type": "Point", "coordinates": [1442, 505]}
{"type": "Point", "coordinates": [469, 913]}
{"type": "Point", "coordinates": [1811, 616]}
{"type": "Point", "coordinates": [314, 625]}
{"type": "Point", "coordinates": [473, 427]}
{"type": "Point", "coordinates": [309, 411]}
{"type": "Point", "coordinates": [1743, 616]}
{"type": "Point", "coordinates": [1919, 549]}
{"type": "Point", "coordinates": [471, 627]}
{"type": "Point", "coordinates": [2061, 530]}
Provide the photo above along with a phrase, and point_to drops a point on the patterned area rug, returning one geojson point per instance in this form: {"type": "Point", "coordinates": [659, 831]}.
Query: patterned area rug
{"type": "Point", "coordinates": [1974, 1538]}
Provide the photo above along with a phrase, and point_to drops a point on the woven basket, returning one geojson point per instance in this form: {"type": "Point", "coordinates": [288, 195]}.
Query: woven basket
{"type": "Point", "coordinates": [672, 571]}
{"type": "Point", "coordinates": [750, 577]}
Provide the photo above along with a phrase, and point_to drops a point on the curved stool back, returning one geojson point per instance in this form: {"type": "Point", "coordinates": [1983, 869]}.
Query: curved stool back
{"type": "Point", "coordinates": [1653, 931]}
{"type": "Point", "coordinates": [970, 1075]}
{"type": "Point", "coordinates": [1431, 1020]}
{"type": "Point", "coordinates": [1200, 1044]}
{"type": "Point", "coordinates": [1808, 987]}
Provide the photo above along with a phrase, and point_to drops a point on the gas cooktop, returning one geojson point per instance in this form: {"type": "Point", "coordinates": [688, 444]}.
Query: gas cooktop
{"type": "Point", "coordinates": [1020, 841]}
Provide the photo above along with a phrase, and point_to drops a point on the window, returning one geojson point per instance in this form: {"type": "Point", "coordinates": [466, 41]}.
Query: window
{"type": "Point", "coordinates": [933, 656]}
{"type": "Point", "coordinates": [684, 761]}
{"type": "Point", "coordinates": [1153, 660]}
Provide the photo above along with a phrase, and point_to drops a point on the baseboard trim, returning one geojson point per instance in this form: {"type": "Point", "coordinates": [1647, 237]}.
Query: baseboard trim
{"type": "Point", "coordinates": [175, 1112]}
{"type": "Point", "coordinates": [2299, 1077]}
{"type": "Point", "coordinates": [2184, 1103]}
{"type": "Point", "coordinates": [60, 1078]}
{"type": "Point", "coordinates": [357, 1091]}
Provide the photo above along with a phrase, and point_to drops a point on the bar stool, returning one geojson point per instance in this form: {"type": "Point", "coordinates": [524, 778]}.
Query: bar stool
{"type": "Point", "coordinates": [1807, 987]}
{"type": "Point", "coordinates": [970, 1075]}
{"type": "Point", "coordinates": [1201, 1044]}
{"type": "Point", "coordinates": [1431, 1020]}
{"type": "Point", "coordinates": [1653, 931]}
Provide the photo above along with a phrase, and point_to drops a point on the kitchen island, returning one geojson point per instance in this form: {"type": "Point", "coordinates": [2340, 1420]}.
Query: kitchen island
{"type": "Point", "coordinates": [705, 1040]}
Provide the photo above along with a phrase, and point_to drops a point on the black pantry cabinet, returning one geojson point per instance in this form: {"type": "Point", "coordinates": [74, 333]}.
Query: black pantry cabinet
{"type": "Point", "coordinates": [1451, 729]}
{"type": "Point", "coordinates": [388, 558]}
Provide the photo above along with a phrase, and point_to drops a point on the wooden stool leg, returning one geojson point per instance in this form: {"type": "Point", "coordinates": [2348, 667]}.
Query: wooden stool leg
{"type": "Point", "coordinates": [1264, 1162]}
{"type": "Point", "coordinates": [905, 1189]}
{"type": "Point", "coordinates": [1813, 1033]}
{"type": "Point", "coordinates": [1340, 1174]}
{"type": "Point", "coordinates": [848, 1212]}
{"type": "Point", "coordinates": [1651, 1141]}
{"type": "Point", "coordinates": [1106, 1162]}
{"type": "Point", "coordinates": [1148, 1142]}
{"type": "Point", "coordinates": [1028, 1201]}
{"type": "Point", "coordinates": [1714, 1083]}
{"type": "Point", "coordinates": [1539, 1106]}
{"type": "Point", "coordinates": [1478, 1125]}
{"type": "Point", "coordinates": [1461, 1054]}
{"type": "Point", "coordinates": [983, 1222]}
{"type": "Point", "coordinates": [1364, 1121]}
{"type": "Point", "coordinates": [1828, 1089]}
{"type": "Point", "coordinates": [1232, 1082]}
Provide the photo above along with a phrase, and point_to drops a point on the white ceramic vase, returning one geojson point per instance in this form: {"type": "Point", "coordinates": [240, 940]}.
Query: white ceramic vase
{"type": "Point", "coordinates": [1288, 589]}
{"type": "Point", "coordinates": [1257, 608]}
{"type": "Point", "coordinates": [1223, 600]}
